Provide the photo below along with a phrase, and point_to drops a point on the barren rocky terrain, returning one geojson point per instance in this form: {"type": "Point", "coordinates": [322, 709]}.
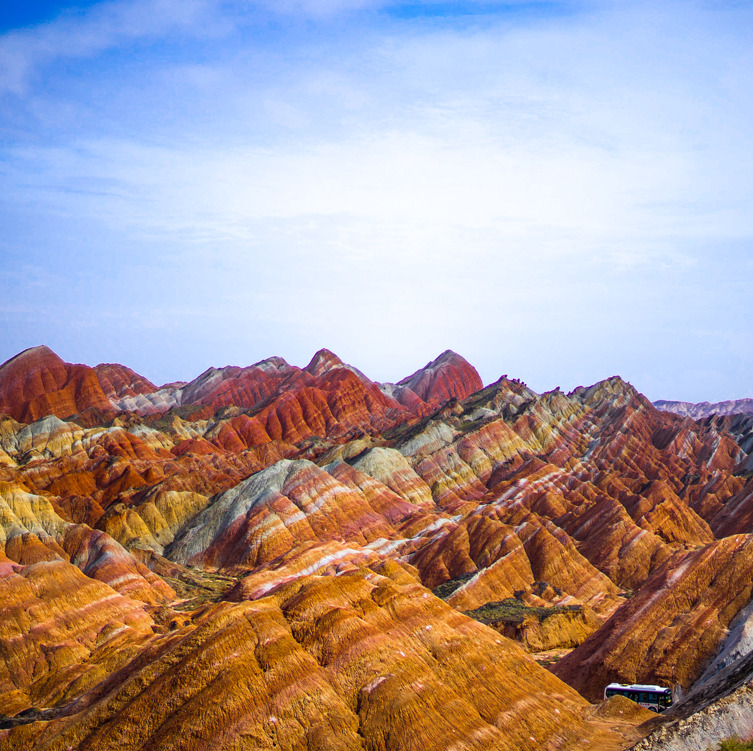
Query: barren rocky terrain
{"type": "Point", "coordinates": [276, 557]}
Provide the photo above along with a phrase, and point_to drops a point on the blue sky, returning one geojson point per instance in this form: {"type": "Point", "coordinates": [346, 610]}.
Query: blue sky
{"type": "Point", "coordinates": [558, 191]}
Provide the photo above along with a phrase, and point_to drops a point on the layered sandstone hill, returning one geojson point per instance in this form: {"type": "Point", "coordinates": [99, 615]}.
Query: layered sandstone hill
{"type": "Point", "coordinates": [719, 705]}
{"type": "Point", "coordinates": [671, 629]}
{"type": "Point", "coordinates": [240, 543]}
{"type": "Point", "coordinates": [359, 661]}
{"type": "Point", "coordinates": [61, 633]}
{"type": "Point", "coordinates": [444, 378]}
{"type": "Point", "coordinates": [36, 383]}
{"type": "Point", "coordinates": [312, 399]}
{"type": "Point", "coordinates": [120, 382]}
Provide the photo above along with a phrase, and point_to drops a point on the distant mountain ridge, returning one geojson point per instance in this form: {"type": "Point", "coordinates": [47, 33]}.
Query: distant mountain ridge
{"type": "Point", "coordinates": [37, 382]}
{"type": "Point", "coordinates": [706, 409]}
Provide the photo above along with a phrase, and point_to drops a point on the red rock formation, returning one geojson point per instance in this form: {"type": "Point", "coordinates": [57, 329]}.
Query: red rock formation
{"type": "Point", "coordinates": [36, 383]}
{"type": "Point", "coordinates": [449, 376]}
{"type": "Point", "coordinates": [118, 381]}
{"type": "Point", "coordinates": [325, 360]}
{"type": "Point", "coordinates": [243, 387]}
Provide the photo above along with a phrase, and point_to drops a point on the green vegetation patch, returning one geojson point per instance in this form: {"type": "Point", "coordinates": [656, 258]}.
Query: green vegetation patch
{"type": "Point", "coordinates": [514, 611]}
{"type": "Point", "coordinates": [468, 427]}
{"type": "Point", "coordinates": [403, 433]}
{"type": "Point", "coordinates": [443, 591]}
{"type": "Point", "coordinates": [734, 744]}
{"type": "Point", "coordinates": [30, 715]}
{"type": "Point", "coordinates": [199, 588]}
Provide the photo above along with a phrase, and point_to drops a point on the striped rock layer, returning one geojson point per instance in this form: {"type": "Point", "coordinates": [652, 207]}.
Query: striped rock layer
{"type": "Point", "coordinates": [281, 557]}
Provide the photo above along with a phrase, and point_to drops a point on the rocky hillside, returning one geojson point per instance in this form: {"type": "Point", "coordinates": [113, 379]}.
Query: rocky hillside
{"type": "Point", "coordinates": [282, 557]}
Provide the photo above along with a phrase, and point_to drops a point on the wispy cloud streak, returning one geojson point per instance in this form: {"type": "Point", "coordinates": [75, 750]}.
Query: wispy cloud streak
{"type": "Point", "coordinates": [100, 28]}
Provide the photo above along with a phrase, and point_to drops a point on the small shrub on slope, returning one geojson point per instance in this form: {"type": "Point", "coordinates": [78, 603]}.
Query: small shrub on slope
{"type": "Point", "coordinates": [733, 744]}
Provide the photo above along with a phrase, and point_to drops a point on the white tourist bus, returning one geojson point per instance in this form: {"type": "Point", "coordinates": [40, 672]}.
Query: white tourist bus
{"type": "Point", "coordinates": [655, 698]}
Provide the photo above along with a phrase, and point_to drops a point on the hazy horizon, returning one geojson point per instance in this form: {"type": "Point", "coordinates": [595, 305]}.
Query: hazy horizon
{"type": "Point", "coordinates": [558, 191]}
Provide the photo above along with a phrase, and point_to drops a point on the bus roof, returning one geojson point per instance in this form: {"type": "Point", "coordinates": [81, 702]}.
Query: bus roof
{"type": "Point", "coordinates": [637, 687]}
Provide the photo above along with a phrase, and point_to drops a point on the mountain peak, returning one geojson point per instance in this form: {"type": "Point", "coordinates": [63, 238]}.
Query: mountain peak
{"type": "Point", "coordinates": [447, 376]}
{"type": "Point", "coordinates": [40, 352]}
{"type": "Point", "coordinates": [37, 382]}
{"type": "Point", "coordinates": [322, 362]}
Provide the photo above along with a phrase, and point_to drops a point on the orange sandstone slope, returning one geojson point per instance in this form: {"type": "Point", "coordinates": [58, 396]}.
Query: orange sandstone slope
{"type": "Point", "coordinates": [61, 633]}
{"type": "Point", "coordinates": [321, 501]}
{"type": "Point", "coordinates": [357, 662]}
{"type": "Point", "coordinates": [670, 630]}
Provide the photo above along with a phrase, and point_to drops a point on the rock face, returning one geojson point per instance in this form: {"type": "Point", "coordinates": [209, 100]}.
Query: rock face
{"type": "Point", "coordinates": [229, 547]}
{"type": "Point", "coordinates": [61, 632]}
{"type": "Point", "coordinates": [719, 704]}
{"type": "Point", "coordinates": [728, 718]}
{"type": "Point", "coordinates": [718, 709]}
{"type": "Point", "coordinates": [269, 514]}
